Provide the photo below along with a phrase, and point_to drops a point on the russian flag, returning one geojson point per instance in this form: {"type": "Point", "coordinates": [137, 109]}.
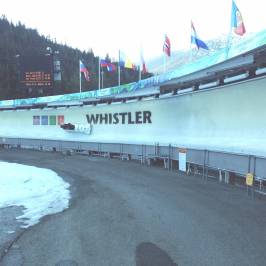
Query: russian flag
{"type": "Point", "coordinates": [84, 70]}
{"type": "Point", "coordinates": [195, 40]}
{"type": "Point", "coordinates": [237, 21]}
{"type": "Point", "coordinates": [167, 46]}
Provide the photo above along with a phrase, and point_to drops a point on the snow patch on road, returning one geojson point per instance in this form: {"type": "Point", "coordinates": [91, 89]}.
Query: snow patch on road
{"type": "Point", "coordinates": [40, 191]}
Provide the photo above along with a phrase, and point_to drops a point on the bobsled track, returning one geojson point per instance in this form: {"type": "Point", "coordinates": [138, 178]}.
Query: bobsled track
{"type": "Point", "coordinates": [123, 213]}
{"type": "Point", "coordinates": [217, 115]}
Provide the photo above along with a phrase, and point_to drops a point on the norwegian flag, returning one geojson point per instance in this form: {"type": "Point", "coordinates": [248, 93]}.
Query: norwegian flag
{"type": "Point", "coordinates": [167, 46]}
{"type": "Point", "coordinates": [84, 70]}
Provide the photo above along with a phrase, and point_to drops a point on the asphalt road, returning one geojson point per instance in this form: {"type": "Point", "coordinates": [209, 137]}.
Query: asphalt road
{"type": "Point", "coordinates": [124, 213]}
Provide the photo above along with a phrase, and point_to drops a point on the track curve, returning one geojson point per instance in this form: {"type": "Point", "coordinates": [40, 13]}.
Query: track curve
{"type": "Point", "coordinates": [123, 213]}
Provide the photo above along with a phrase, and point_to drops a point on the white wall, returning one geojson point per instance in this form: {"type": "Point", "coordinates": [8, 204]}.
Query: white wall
{"type": "Point", "coordinates": [232, 118]}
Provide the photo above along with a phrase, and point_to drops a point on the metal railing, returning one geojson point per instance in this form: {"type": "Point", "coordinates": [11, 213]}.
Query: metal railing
{"type": "Point", "coordinates": [207, 159]}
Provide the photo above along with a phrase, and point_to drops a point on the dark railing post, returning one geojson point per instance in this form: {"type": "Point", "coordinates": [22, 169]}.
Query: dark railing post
{"type": "Point", "coordinates": [207, 163]}
{"type": "Point", "coordinates": [203, 168]}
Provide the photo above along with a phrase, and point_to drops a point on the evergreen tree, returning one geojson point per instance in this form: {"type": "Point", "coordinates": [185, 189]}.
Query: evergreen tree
{"type": "Point", "coordinates": [17, 40]}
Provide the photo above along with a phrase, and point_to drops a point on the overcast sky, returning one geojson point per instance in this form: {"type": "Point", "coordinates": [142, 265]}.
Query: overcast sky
{"type": "Point", "coordinates": [109, 25]}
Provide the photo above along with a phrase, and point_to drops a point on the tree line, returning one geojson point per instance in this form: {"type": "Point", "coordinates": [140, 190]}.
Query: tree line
{"type": "Point", "coordinates": [17, 40]}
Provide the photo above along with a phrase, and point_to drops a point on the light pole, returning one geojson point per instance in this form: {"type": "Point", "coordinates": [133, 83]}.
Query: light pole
{"type": "Point", "coordinates": [56, 66]}
{"type": "Point", "coordinates": [17, 72]}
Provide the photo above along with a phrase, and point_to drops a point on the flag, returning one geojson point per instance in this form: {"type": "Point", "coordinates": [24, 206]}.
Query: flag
{"type": "Point", "coordinates": [84, 70]}
{"type": "Point", "coordinates": [167, 46]}
{"type": "Point", "coordinates": [103, 63]}
{"type": "Point", "coordinates": [110, 67]}
{"type": "Point", "coordinates": [124, 61]}
{"type": "Point", "coordinates": [196, 40]}
{"type": "Point", "coordinates": [144, 69]}
{"type": "Point", "coordinates": [134, 67]}
{"type": "Point", "coordinates": [237, 21]}
{"type": "Point", "coordinates": [129, 64]}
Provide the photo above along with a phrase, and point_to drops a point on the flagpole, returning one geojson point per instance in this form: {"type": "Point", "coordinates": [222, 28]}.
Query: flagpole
{"type": "Point", "coordinates": [190, 57]}
{"type": "Point", "coordinates": [141, 62]}
{"type": "Point", "coordinates": [102, 78]}
{"type": "Point", "coordinates": [119, 68]}
{"type": "Point", "coordinates": [99, 74]}
{"type": "Point", "coordinates": [190, 47]}
{"type": "Point", "coordinates": [229, 37]}
{"type": "Point", "coordinates": [164, 63]}
{"type": "Point", "coordinates": [79, 81]}
{"type": "Point", "coordinates": [228, 44]}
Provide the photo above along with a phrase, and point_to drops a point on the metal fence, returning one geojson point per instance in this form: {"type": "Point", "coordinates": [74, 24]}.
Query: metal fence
{"type": "Point", "coordinates": [206, 159]}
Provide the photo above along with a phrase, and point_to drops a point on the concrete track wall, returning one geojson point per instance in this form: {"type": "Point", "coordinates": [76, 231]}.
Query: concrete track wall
{"type": "Point", "coordinates": [230, 118]}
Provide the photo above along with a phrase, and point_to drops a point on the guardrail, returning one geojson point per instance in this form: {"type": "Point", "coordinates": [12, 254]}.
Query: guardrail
{"type": "Point", "coordinates": [240, 164]}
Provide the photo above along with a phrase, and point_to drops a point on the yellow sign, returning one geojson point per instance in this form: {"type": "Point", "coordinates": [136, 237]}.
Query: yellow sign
{"type": "Point", "coordinates": [249, 179]}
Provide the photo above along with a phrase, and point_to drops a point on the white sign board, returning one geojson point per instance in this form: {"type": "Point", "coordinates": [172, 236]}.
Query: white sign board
{"type": "Point", "coordinates": [182, 160]}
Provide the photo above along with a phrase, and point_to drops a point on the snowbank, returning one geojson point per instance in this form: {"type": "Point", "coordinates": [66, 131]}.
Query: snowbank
{"type": "Point", "coordinates": [40, 191]}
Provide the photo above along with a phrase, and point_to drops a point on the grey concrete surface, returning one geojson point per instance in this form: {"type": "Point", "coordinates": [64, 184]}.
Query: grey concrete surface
{"type": "Point", "coordinates": [9, 227]}
{"type": "Point", "coordinates": [124, 213]}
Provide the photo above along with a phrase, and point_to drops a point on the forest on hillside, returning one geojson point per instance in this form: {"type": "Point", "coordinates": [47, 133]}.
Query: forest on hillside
{"type": "Point", "coordinates": [17, 40]}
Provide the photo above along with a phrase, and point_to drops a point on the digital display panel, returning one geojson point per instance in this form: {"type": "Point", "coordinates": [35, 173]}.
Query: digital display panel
{"type": "Point", "coordinates": [36, 71]}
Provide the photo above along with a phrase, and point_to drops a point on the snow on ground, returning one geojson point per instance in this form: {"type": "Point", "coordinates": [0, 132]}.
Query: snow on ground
{"type": "Point", "coordinates": [40, 191]}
